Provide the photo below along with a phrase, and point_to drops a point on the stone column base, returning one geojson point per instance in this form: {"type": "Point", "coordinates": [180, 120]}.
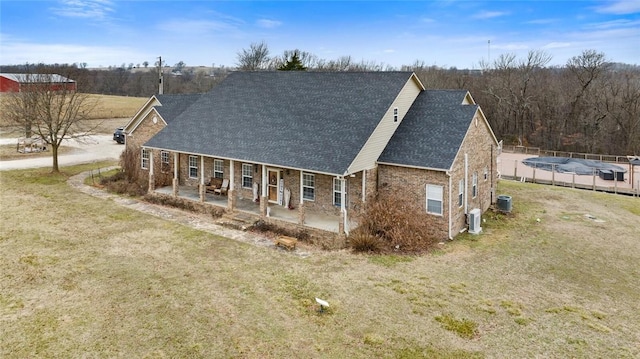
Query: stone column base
{"type": "Point", "coordinates": [176, 186]}
{"type": "Point", "coordinates": [231, 199]}
{"type": "Point", "coordinates": [341, 224]}
{"type": "Point", "coordinates": [301, 213]}
{"type": "Point", "coordinates": [152, 182]}
{"type": "Point", "coordinates": [263, 206]}
{"type": "Point", "coordinates": [202, 192]}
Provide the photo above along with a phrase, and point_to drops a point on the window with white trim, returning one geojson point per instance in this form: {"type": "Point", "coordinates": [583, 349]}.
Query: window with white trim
{"type": "Point", "coordinates": [145, 158]}
{"type": "Point", "coordinates": [395, 114]}
{"type": "Point", "coordinates": [218, 168]}
{"type": "Point", "coordinates": [308, 187]}
{"type": "Point", "coordinates": [460, 192]}
{"type": "Point", "coordinates": [474, 185]}
{"type": "Point", "coordinates": [337, 192]}
{"type": "Point", "coordinates": [434, 199]}
{"type": "Point", "coordinates": [247, 175]}
{"type": "Point", "coordinates": [164, 157]}
{"type": "Point", "coordinates": [193, 166]}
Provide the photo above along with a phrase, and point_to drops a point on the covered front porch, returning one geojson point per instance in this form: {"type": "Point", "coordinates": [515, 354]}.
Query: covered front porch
{"type": "Point", "coordinates": [313, 219]}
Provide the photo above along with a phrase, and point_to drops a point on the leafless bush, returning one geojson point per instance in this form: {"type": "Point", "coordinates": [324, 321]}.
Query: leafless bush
{"type": "Point", "coordinates": [392, 223]}
{"type": "Point", "coordinates": [184, 204]}
{"type": "Point", "coordinates": [362, 241]}
{"type": "Point", "coordinates": [263, 227]}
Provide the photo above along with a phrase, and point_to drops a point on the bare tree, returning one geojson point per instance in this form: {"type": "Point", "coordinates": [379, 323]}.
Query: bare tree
{"type": "Point", "coordinates": [50, 111]}
{"type": "Point", "coordinates": [585, 118]}
{"type": "Point", "coordinates": [256, 57]}
{"type": "Point", "coordinates": [622, 103]}
{"type": "Point", "coordinates": [510, 83]}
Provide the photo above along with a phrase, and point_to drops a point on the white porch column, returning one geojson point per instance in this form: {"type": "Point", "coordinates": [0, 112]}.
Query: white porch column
{"type": "Point", "coordinates": [264, 204]}
{"type": "Point", "coordinates": [231, 193]}
{"type": "Point", "coordinates": [232, 175]}
{"type": "Point", "coordinates": [201, 186]}
{"type": "Point", "coordinates": [152, 177]}
{"type": "Point", "coordinates": [176, 181]}
{"type": "Point", "coordinates": [342, 226]}
{"type": "Point", "coordinates": [301, 209]}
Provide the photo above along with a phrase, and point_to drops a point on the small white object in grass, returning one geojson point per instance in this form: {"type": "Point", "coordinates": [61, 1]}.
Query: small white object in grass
{"type": "Point", "coordinates": [323, 303]}
{"type": "Point", "coordinates": [537, 219]}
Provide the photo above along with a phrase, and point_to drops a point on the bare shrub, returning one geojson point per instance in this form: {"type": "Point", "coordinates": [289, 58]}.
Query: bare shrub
{"type": "Point", "coordinates": [263, 227]}
{"type": "Point", "coordinates": [392, 223]}
{"type": "Point", "coordinates": [362, 241]}
{"type": "Point", "coordinates": [184, 204]}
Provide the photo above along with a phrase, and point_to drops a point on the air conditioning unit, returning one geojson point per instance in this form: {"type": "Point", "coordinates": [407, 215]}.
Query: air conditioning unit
{"type": "Point", "coordinates": [474, 221]}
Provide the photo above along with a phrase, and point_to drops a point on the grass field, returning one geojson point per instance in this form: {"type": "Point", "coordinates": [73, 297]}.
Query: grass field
{"type": "Point", "coordinates": [110, 112]}
{"type": "Point", "coordinates": [84, 277]}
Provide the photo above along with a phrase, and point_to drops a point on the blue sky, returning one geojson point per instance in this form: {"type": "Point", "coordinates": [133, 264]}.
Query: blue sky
{"type": "Point", "coordinates": [201, 33]}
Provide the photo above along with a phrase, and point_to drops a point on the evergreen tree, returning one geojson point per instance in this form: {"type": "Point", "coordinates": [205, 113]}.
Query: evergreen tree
{"type": "Point", "coordinates": [293, 64]}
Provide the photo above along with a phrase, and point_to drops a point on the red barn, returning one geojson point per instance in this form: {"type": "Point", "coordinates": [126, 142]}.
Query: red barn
{"type": "Point", "coordinates": [23, 82]}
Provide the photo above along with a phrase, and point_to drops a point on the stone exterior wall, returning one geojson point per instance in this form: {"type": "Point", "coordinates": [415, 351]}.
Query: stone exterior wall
{"type": "Point", "coordinates": [411, 185]}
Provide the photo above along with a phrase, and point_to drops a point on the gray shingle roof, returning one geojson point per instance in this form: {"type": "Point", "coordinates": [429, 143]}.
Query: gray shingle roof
{"type": "Point", "coordinates": [311, 120]}
{"type": "Point", "coordinates": [174, 105]}
{"type": "Point", "coordinates": [432, 131]}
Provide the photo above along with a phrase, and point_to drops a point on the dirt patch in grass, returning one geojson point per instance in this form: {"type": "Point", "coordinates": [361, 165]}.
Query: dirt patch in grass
{"type": "Point", "coordinates": [9, 152]}
{"type": "Point", "coordinates": [83, 276]}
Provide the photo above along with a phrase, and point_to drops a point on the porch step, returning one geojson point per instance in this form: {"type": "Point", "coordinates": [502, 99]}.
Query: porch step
{"type": "Point", "coordinates": [237, 220]}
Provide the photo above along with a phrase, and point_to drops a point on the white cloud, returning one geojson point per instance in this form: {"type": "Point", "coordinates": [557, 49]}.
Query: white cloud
{"type": "Point", "coordinates": [489, 14]}
{"type": "Point", "coordinates": [615, 24]}
{"type": "Point", "coordinates": [556, 45]}
{"type": "Point", "coordinates": [541, 21]}
{"type": "Point", "coordinates": [16, 52]}
{"type": "Point", "coordinates": [194, 27]}
{"type": "Point", "coordinates": [268, 24]}
{"type": "Point", "coordinates": [620, 7]}
{"type": "Point", "coordinates": [96, 9]}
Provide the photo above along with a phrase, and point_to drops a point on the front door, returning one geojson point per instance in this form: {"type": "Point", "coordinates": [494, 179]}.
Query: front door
{"type": "Point", "coordinates": [273, 189]}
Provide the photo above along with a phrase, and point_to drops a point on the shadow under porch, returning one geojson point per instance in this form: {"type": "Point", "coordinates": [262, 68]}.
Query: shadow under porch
{"type": "Point", "coordinates": [312, 219]}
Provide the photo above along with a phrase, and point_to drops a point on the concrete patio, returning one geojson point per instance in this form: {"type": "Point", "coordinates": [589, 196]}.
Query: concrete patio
{"type": "Point", "coordinates": [313, 219]}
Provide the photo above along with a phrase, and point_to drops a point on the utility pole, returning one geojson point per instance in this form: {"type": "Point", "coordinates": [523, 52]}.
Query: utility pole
{"type": "Point", "coordinates": [160, 84]}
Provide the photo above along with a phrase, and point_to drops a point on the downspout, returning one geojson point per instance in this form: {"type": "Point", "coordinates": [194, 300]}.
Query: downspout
{"type": "Point", "coordinates": [450, 215]}
{"type": "Point", "coordinates": [491, 174]}
{"type": "Point", "coordinates": [466, 186]}
{"type": "Point", "coordinates": [364, 186]}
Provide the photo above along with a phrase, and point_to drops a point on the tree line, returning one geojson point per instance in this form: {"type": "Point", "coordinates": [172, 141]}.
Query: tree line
{"type": "Point", "coordinates": [587, 105]}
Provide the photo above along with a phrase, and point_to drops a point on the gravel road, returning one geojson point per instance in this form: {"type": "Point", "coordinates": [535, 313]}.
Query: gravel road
{"type": "Point", "coordinates": [89, 149]}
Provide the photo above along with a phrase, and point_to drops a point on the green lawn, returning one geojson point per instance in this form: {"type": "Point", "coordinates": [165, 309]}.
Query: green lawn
{"type": "Point", "coordinates": [84, 277]}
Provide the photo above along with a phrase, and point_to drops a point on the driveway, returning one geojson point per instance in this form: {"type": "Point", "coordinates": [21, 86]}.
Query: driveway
{"type": "Point", "coordinates": [86, 150]}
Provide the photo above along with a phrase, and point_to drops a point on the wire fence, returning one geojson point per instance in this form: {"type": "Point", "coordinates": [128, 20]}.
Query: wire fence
{"type": "Point", "coordinates": [536, 151]}
{"type": "Point", "coordinates": [626, 181]}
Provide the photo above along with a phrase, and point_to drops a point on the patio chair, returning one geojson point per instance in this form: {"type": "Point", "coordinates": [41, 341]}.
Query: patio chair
{"type": "Point", "coordinates": [213, 185]}
{"type": "Point", "coordinates": [223, 188]}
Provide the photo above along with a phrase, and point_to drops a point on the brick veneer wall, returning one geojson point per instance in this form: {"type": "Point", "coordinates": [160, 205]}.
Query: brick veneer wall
{"type": "Point", "coordinates": [410, 184]}
{"type": "Point", "coordinates": [134, 141]}
{"type": "Point", "coordinates": [323, 184]}
{"type": "Point", "coordinates": [481, 153]}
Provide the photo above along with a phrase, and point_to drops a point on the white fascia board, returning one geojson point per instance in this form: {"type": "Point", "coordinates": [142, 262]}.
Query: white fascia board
{"type": "Point", "coordinates": [416, 167]}
{"type": "Point", "coordinates": [244, 161]}
{"type": "Point", "coordinates": [141, 114]}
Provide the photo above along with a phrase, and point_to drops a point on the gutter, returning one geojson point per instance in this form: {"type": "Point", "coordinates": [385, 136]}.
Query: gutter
{"type": "Point", "coordinates": [449, 205]}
